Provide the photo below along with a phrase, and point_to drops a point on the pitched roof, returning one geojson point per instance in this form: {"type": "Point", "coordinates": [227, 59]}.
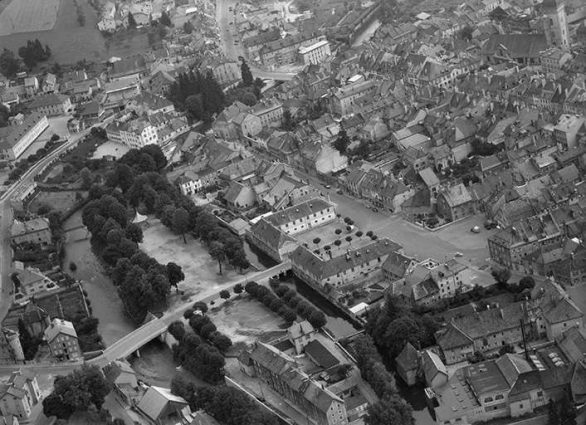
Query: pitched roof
{"type": "Point", "coordinates": [456, 195]}
{"type": "Point", "coordinates": [452, 337]}
{"type": "Point", "coordinates": [300, 329]}
{"type": "Point", "coordinates": [52, 99]}
{"type": "Point", "coordinates": [432, 365]}
{"type": "Point", "coordinates": [269, 234]}
{"type": "Point", "coordinates": [321, 354]}
{"type": "Point", "coordinates": [58, 327]}
{"type": "Point", "coordinates": [299, 211]}
{"type": "Point", "coordinates": [408, 358]}
{"type": "Point", "coordinates": [10, 136]}
{"type": "Point", "coordinates": [155, 401]}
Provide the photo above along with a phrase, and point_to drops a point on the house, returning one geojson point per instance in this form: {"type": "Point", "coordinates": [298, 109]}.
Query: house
{"type": "Point", "coordinates": [343, 100]}
{"type": "Point", "coordinates": [524, 49]}
{"type": "Point", "coordinates": [123, 379]}
{"type": "Point", "coordinates": [303, 216]}
{"type": "Point", "coordinates": [29, 282]}
{"type": "Point", "coordinates": [17, 137]}
{"type": "Point", "coordinates": [278, 370]}
{"type": "Point", "coordinates": [455, 202]}
{"type": "Point", "coordinates": [320, 355]}
{"type": "Point", "coordinates": [396, 266]}
{"type": "Point", "coordinates": [31, 86]}
{"type": "Point", "coordinates": [50, 83]}
{"type": "Point", "coordinates": [160, 406]}
{"type": "Point", "coordinates": [51, 104]}
{"type": "Point", "coordinates": [36, 231]}
{"type": "Point", "coordinates": [20, 394]}
{"type": "Point", "coordinates": [568, 130]}
{"type": "Point", "coordinates": [430, 179]}
{"type": "Point", "coordinates": [268, 111]}
{"type": "Point", "coordinates": [62, 340]}
{"type": "Point", "coordinates": [134, 134]}
{"type": "Point", "coordinates": [271, 240]}
{"type": "Point", "coordinates": [132, 68]}
{"type": "Point", "coordinates": [239, 196]}
{"type": "Point", "coordinates": [202, 418]}
{"type": "Point", "coordinates": [434, 370]}
{"type": "Point", "coordinates": [408, 364]}
{"type": "Point", "coordinates": [300, 334]}
{"type": "Point", "coordinates": [118, 92]}
{"type": "Point", "coordinates": [10, 347]}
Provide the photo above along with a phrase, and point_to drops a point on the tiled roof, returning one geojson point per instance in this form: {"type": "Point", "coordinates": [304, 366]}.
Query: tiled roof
{"type": "Point", "coordinates": [58, 327]}
{"type": "Point", "coordinates": [297, 212]}
{"type": "Point", "coordinates": [321, 355]}
{"type": "Point", "coordinates": [456, 195]}
{"type": "Point", "coordinates": [47, 100]}
{"type": "Point", "coordinates": [154, 402]}
{"type": "Point", "coordinates": [271, 235]}
{"type": "Point", "coordinates": [432, 365]}
{"type": "Point", "coordinates": [452, 337]}
{"type": "Point", "coordinates": [408, 358]}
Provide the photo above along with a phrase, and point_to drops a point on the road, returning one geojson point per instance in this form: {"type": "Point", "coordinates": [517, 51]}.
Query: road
{"type": "Point", "coordinates": [229, 34]}
{"type": "Point", "coordinates": [6, 285]}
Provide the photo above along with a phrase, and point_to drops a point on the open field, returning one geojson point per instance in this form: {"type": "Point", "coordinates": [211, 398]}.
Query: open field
{"type": "Point", "coordinates": [110, 148]}
{"type": "Point", "coordinates": [245, 320]}
{"type": "Point", "coordinates": [69, 41]}
{"type": "Point", "coordinates": [28, 15]}
{"type": "Point", "coordinates": [201, 271]}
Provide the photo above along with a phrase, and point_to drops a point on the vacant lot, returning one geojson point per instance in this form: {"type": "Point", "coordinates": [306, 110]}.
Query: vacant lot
{"type": "Point", "coordinates": [201, 271]}
{"type": "Point", "coordinates": [28, 15]}
{"type": "Point", "coordinates": [245, 320]}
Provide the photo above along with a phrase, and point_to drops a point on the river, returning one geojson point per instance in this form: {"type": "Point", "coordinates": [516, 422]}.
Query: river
{"type": "Point", "coordinates": [105, 304]}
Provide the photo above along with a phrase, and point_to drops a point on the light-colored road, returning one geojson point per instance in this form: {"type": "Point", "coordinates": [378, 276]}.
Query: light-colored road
{"type": "Point", "coordinates": [229, 36]}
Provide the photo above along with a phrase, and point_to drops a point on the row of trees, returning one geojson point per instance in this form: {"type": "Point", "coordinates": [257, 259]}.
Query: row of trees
{"type": "Point", "coordinates": [264, 295]}
{"type": "Point", "coordinates": [196, 355]}
{"type": "Point", "coordinates": [199, 95]}
{"type": "Point", "coordinates": [391, 409]}
{"type": "Point", "coordinates": [288, 297]}
{"type": "Point", "coordinates": [203, 326]}
{"type": "Point", "coordinates": [227, 405]}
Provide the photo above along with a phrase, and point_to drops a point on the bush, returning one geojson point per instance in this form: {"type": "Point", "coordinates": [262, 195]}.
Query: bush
{"type": "Point", "coordinates": [238, 288]}
{"type": "Point", "coordinates": [251, 288]}
{"type": "Point", "coordinates": [72, 266]}
{"type": "Point", "coordinates": [188, 313]}
{"type": "Point", "coordinates": [359, 233]}
{"type": "Point", "coordinates": [224, 294]}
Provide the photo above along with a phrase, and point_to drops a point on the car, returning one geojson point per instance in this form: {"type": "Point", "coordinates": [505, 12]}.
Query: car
{"type": "Point", "coordinates": [458, 254]}
{"type": "Point", "coordinates": [374, 209]}
{"type": "Point", "coordinates": [475, 229]}
{"type": "Point", "coordinates": [327, 186]}
{"type": "Point", "coordinates": [231, 23]}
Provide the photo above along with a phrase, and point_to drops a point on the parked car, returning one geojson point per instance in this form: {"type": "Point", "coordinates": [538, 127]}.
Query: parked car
{"type": "Point", "coordinates": [327, 186]}
{"type": "Point", "coordinates": [475, 229]}
{"type": "Point", "coordinates": [458, 254]}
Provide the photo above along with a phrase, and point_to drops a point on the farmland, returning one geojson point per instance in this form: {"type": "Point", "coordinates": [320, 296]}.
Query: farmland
{"type": "Point", "coordinates": [28, 15]}
{"type": "Point", "coordinates": [69, 41]}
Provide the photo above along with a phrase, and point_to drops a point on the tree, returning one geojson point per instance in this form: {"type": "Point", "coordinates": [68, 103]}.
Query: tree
{"type": "Point", "coordinates": [553, 417]}
{"type": "Point", "coordinates": [201, 306]}
{"type": "Point", "coordinates": [224, 294]}
{"type": "Point", "coordinates": [131, 20]}
{"type": "Point", "coordinates": [188, 27]}
{"type": "Point", "coordinates": [466, 33]}
{"type": "Point", "coordinates": [390, 411]}
{"type": "Point", "coordinates": [342, 142]}
{"type": "Point", "coordinates": [501, 276]}
{"type": "Point", "coordinates": [247, 79]}
{"type": "Point", "coordinates": [9, 64]}
{"type": "Point", "coordinates": [317, 319]}
{"type": "Point", "coordinates": [288, 123]}
{"type": "Point", "coordinates": [217, 253]}
{"type": "Point", "coordinates": [177, 329]}
{"type": "Point", "coordinates": [238, 288]}
{"type": "Point", "coordinates": [567, 412]}
{"type": "Point", "coordinates": [181, 222]}
{"type": "Point", "coordinates": [133, 232]}
{"type": "Point", "coordinates": [54, 405]}
{"type": "Point", "coordinates": [86, 178]}
{"type": "Point", "coordinates": [165, 20]}
{"type": "Point", "coordinates": [174, 273]}
{"type": "Point", "coordinates": [221, 341]}
{"type": "Point", "coordinates": [207, 329]}
{"type": "Point", "coordinates": [316, 241]}
{"type": "Point", "coordinates": [527, 282]}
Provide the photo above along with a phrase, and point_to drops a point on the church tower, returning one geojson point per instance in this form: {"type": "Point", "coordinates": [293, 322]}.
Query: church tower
{"type": "Point", "coordinates": [555, 24]}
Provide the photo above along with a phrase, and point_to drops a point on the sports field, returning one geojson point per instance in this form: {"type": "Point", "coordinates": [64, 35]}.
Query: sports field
{"type": "Point", "coordinates": [28, 15]}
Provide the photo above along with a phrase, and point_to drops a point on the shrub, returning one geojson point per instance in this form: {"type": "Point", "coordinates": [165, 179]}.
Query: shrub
{"type": "Point", "coordinates": [188, 313]}
{"type": "Point", "coordinates": [359, 233]}
{"type": "Point", "coordinates": [238, 288]}
{"type": "Point", "coordinates": [224, 294]}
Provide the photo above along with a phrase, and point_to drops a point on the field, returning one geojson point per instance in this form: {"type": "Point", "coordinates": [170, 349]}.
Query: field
{"type": "Point", "coordinates": [245, 320]}
{"type": "Point", "coordinates": [28, 15]}
{"type": "Point", "coordinates": [59, 201]}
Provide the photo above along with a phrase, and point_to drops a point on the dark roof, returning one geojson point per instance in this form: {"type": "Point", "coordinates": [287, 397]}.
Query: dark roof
{"type": "Point", "coordinates": [452, 337]}
{"type": "Point", "coordinates": [408, 358]}
{"type": "Point", "coordinates": [128, 66]}
{"type": "Point", "coordinates": [518, 45]}
{"type": "Point", "coordinates": [320, 354]}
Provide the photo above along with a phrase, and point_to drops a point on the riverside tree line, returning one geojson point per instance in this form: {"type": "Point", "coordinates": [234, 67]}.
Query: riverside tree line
{"type": "Point", "coordinates": [137, 181]}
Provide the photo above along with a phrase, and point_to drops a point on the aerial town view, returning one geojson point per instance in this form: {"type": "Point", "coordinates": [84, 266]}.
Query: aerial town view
{"type": "Point", "coordinates": [274, 212]}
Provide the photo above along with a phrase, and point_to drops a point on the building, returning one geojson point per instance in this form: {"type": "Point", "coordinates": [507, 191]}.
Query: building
{"type": "Point", "coordinates": [118, 92]}
{"type": "Point", "coordinates": [29, 282]}
{"type": "Point", "coordinates": [160, 406]}
{"type": "Point", "coordinates": [19, 394]}
{"type": "Point", "coordinates": [303, 216]}
{"type": "Point", "coordinates": [408, 364]}
{"type": "Point", "coordinates": [269, 111]}
{"type": "Point", "coordinates": [568, 130]}
{"type": "Point", "coordinates": [300, 334]}
{"type": "Point", "coordinates": [134, 134]}
{"type": "Point", "coordinates": [31, 86]}
{"type": "Point", "coordinates": [271, 240]}
{"type": "Point", "coordinates": [132, 68]}
{"type": "Point", "coordinates": [285, 50]}
{"type": "Point", "coordinates": [62, 340]}
{"type": "Point", "coordinates": [277, 370]}
{"type": "Point", "coordinates": [16, 138]}
{"type": "Point", "coordinates": [51, 104]}
{"type": "Point", "coordinates": [36, 231]}
{"type": "Point", "coordinates": [555, 23]}
{"type": "Point", "coordinates": [315, 53]}
{"type": "Point", "coordinates": [356, 266]}
{"type": "Point", "coordinates": [553, 61]}
{"type": "Point", "coordinates": [123, 379]}
{"type": "Point", "coordinates": [455, 202]}
{"type": "Point", "coordinates": [343, 100]}
{"type": "Point", "coordinates": [10, 348]}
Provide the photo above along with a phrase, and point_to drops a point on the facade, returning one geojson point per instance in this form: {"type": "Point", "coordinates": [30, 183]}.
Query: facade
{"type": "Point", "coordinates": [342, 102]}
{"type": "Point", "coordinates": [568, 131]}
{"type": "Point", "coordinates": [555, 23]}
{"type": "Point", "coordinates": [134, 134]}
{"type": "Point", "coordinates": [286, 50]}
{"type": "Point", "coordinates": [51, 104]}
{"type": "Point", "coordinates": [30, 282]}
{"type": "Point", "coordinates": [36, 231]}
{"type": "Point", "coordinates": [300, 334]}
{"type": "Point", "coordinates": [62, 340]}
{"type": "Point", "coordinates": [316, 53]}
{"type": "Point", "coordinates": [19, 394]}
{"type": "Point", "coordinates": [455, 202]}
{"type": "Point", "coordinates": [16, 138]}
{"type": "Point", "coordinates": [277, 370]}
{"type": "Point", "coordinates": [10, 347]}
{"type": "Point", "coordinates": [269, 112]}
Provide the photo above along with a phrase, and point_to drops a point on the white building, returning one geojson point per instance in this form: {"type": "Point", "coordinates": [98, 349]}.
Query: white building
{"type": "Point", "coordinates": [20, 394]}
{"type": "Point", "coordinates": [316, 53]}
{"type": "Point", "coordinates": [134, 134]}
{"type": "Point", "coordinates": [16, 138]}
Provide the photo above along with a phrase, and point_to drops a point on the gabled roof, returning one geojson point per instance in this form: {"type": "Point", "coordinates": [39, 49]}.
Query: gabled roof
{"type": "Point", "coordinates": [52, 99]}
{"type": "Point", "coordinates": [58, 327]}
{"type": "Point", "coordinates": [155, 401]}
{"type": "Point", "coordinates": [321, 354]}
{"type": "Point", "coordinates": [432, 365]}
{"type": "Point", "coordinates": [408, 358]}
{"type": "Point", "coordinates": [300, 329]}
{"type": "Point", "coordinates": [452, 337]}
{"type": "Point", "coordinates": [456, 195]}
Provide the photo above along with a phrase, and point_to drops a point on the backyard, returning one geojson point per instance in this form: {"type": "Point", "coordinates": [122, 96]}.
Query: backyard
{"type": "Point", "coordinates": [202, 276]}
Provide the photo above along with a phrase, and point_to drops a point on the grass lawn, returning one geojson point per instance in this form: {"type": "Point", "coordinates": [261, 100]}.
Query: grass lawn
{"type": "Point", "coordinates": [58, 201]}
{"type": "Point", "coordinates": [202, 276]}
